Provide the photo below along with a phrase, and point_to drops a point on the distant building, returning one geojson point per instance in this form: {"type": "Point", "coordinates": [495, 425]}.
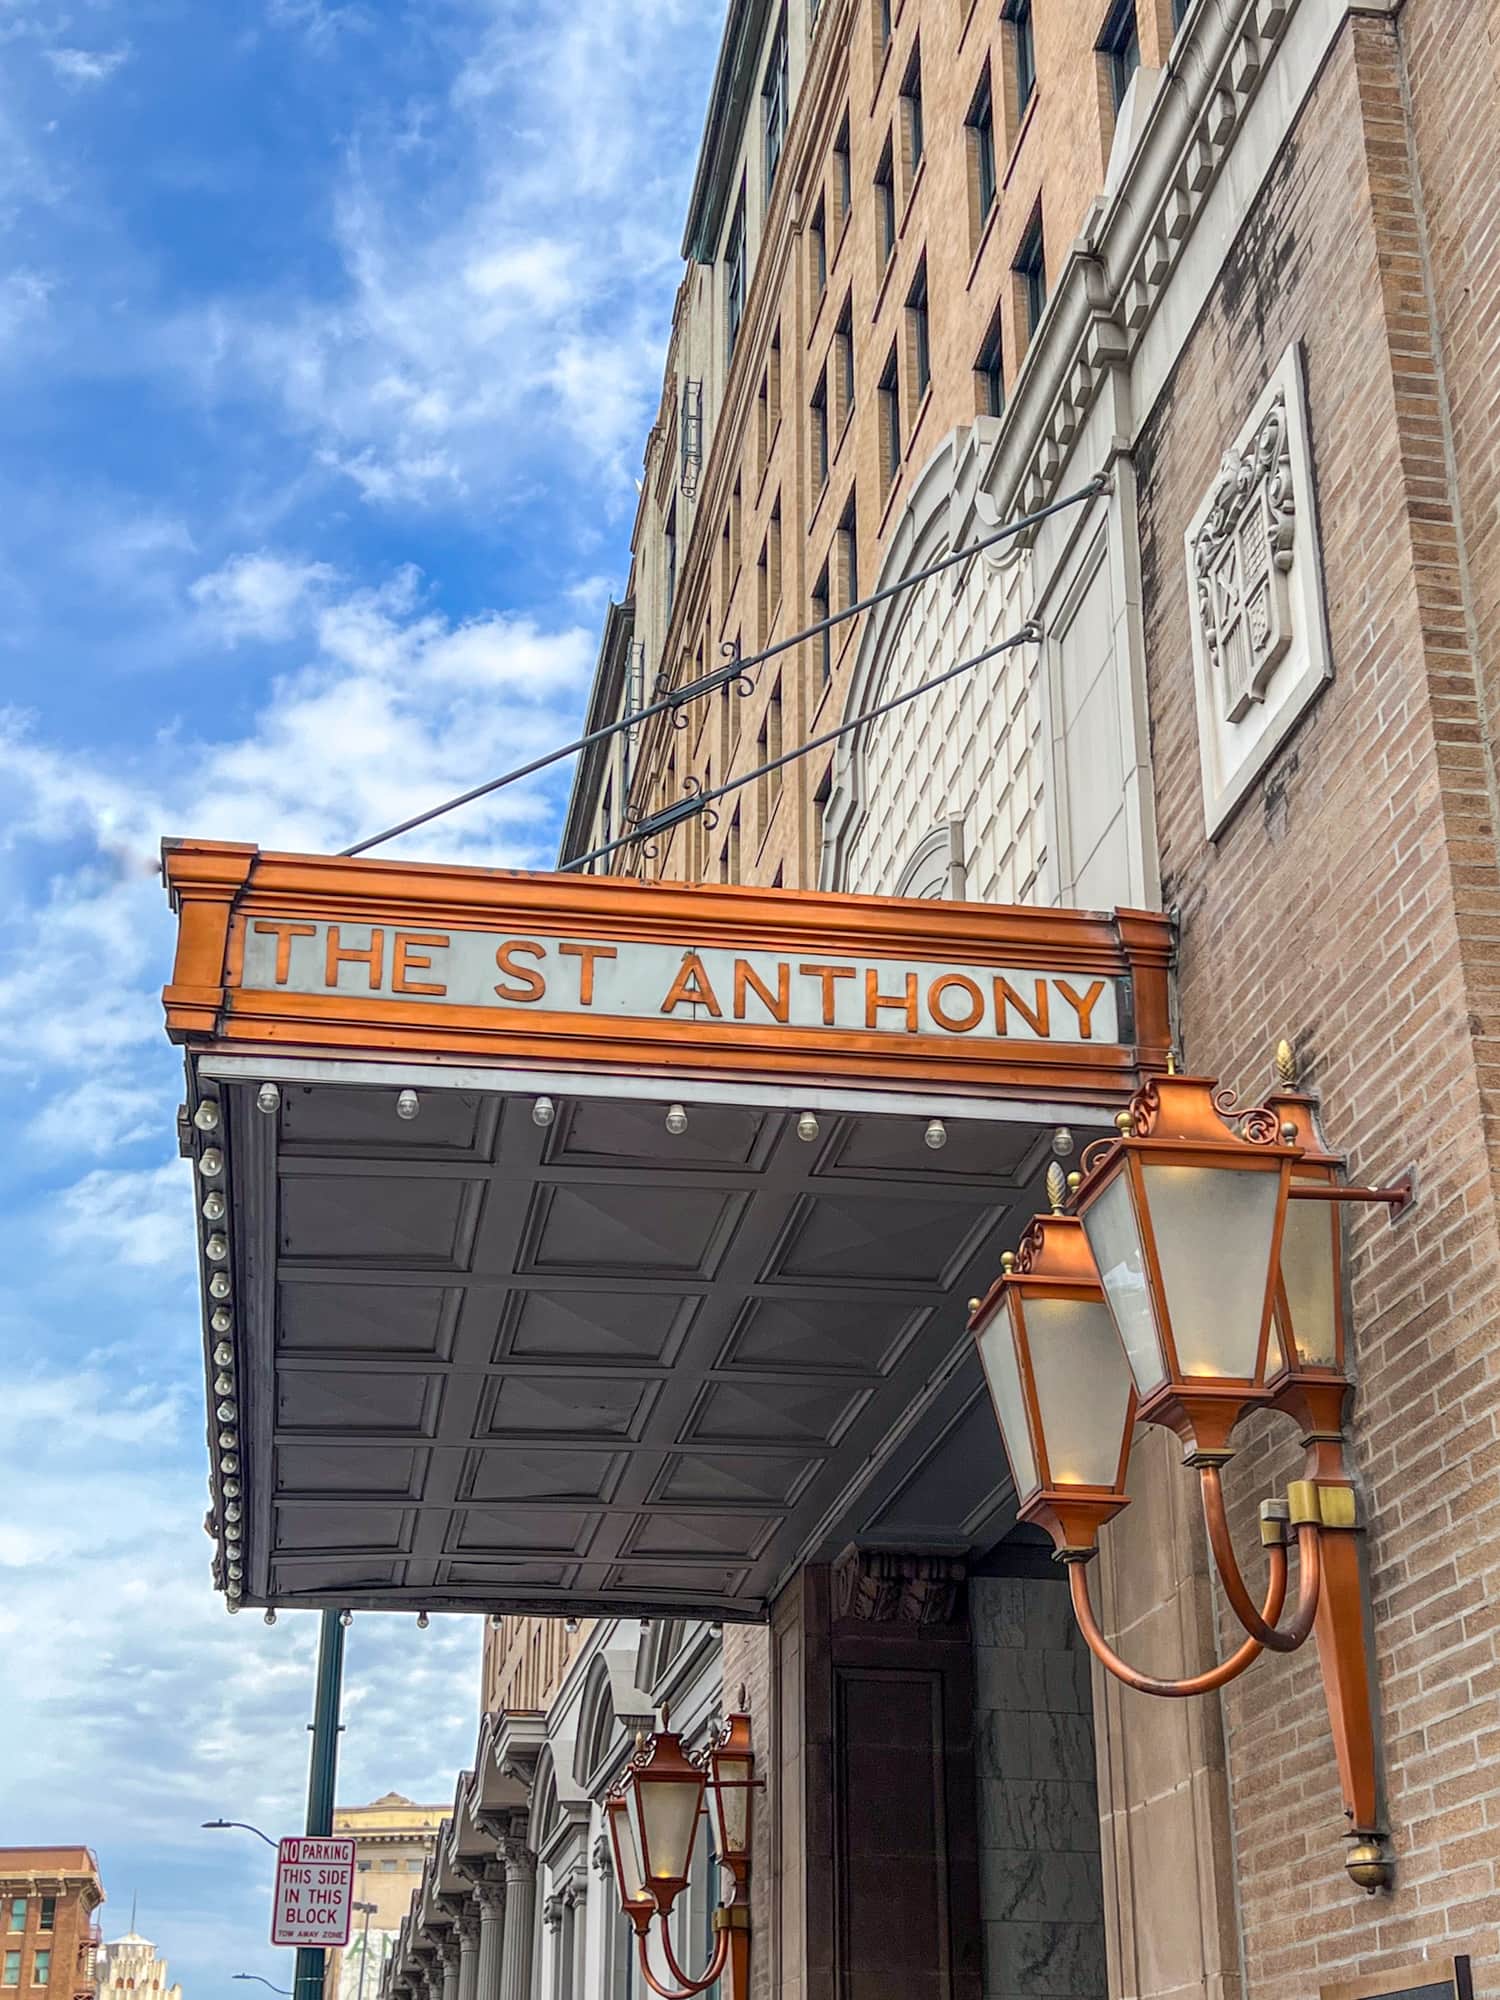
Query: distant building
{"type": "Point", "coordinates": [132, 1969]}
{"type": "Point", "coordinates": [48, 1896]}
{"type": "Point", "coordinates": [393, 1838]}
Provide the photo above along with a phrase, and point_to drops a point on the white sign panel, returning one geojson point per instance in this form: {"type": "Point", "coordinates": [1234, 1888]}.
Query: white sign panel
{"type": "Point", "coordinates": [314, 1891]}
{"type": "Point", "coordinates": [632, 980]}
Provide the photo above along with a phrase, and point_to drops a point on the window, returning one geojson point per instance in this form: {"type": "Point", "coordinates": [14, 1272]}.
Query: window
{"type": "Point", "coordinates": [734, 273]}
{"type": "Point", "coordinates": [989, 372]}
{"type": "Point", "coordinates": [880, 23]}
{"type": "Point", "coordinates": [48, 1919]}
{"type": "Point", "coordinates": [767, 750]}
{"type": "Point", "coordinates": [17, 1914]}
{"type": "Point", "coordinates": [981, 129]}
{"type": "Point", "coordinates": [817, 243]}
{"type": "Point", "coordinates": [1120, 47]}
{"type": "Point", "coordinates": [732, 848]}
{"type": "Point", "coordinates": [843, 369]}
{"type": "Point", "coordinates": [885, 204]}
{"type": "Point", "coordinates": [843, 182]}
{"type": "Point", "coordinates": [918, 343]}
{"type": "Point", "coordinates": [1031, 274]}
{"type": "Point", "coordinates": [773, 104]}
{"type": "Point", "coordinates": [669, 559]}
{"type": "Point", "coordinates": [823, 643]}
{"type": "Point", "coordinates": [890, 420]}
{"type": "Point", "coordinates": [41, 1968]}
{"type": "Point", "coordinates": [818, 434]}
{"type": "Point", "coordinates": [1022, 53]}
{"type": "Point", "coordinates": [1179, 13]}
{"type": "Point", "coordinates": [911, 116]}
{"type": "Point", "coordinates": [820, 817]}
{"type": "Point", "coordinates": [387, 1867]}
{"type": "Point", "coordinates": [12, 1975]}
{"type": "Point", "coordinates": [846, 544]}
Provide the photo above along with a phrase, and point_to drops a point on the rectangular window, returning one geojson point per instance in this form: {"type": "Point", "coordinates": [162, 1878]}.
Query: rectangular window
{"type": "Point", "coordinates": [1179, 13]}
{"type": "Point", "coordinates": [734, 273]}
{"type": "Point", "coordinates": [817, 430]}
{"type": "Point", "coordinates": [773, 557]}
{"type": "Point", "coordinates": [774, 104]}
{"type": "Point", "coordinates": [847, 547]}
{"type": "Point", "coordinates": [843, 180]}
{"type": "Point", "coordinates": [1120, 48]}
{"type": "Point", "coordinates": [41, 1968]}
{"type": "Point", "coordinates": [820, 816]}
{"type": "Point", "coordinates": [817, 244]}
{"type": "Point", "coordinates": [989, 372]}
{"type": "Point", "coordinates": [981, 130]}
{"type": "Point", "coordinates": [918, 337]}
{"type": "Point", "coordinates": [733, 847]}
{"type": "Point", "coordinates": [1031, 274]}
{"type": "Point", "coordinates": [843, 369]}
{"type": "Point", "coordinates": [823, 643]}
{"type": "Point", "coordinates": [17, 1913]}
{"type": "Point", "coordinates": [773, 381]}
{"type": "Point", "coordinates": [669, 560]}
{"type": "Point", "coordinates": [880, 25]}
{"type": "Point", "coordinates": [1022, 53]}
{"type": "Point", "coordinates": [12, 1976]}
{"type": "Point", "coordinates": [885, 204]}
{"type": "Point", "coordinates": [912, 139]}
{"type": "Point", "coordinates": [47, 1921]}
{"type": "Point", "coordinates": [890, 421]}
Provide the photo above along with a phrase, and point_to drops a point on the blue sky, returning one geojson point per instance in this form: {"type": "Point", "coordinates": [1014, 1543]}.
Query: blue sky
{"type": "Point", "coordinates": [329, 336]}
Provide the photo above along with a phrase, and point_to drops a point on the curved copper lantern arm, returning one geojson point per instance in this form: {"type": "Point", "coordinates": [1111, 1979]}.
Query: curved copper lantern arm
{"type": "Point", "coordinates": [1204, 1683]}
{"type": "Point", "coordinates": [688, 1987]}
{"type": "Point", "coordinates": [1309, 1573]}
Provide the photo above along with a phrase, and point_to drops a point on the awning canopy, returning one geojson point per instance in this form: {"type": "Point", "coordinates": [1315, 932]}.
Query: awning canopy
{"type": "Point", "coordinates": [652, 1285]}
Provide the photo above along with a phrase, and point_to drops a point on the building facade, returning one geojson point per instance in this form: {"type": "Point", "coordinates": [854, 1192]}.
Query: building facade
{"type": "Point", "coordinates": [49, 1896]}
{"type": "Point", "coordinates": [393, 1839]}
{"type": "Point", "coordinates": [131, 1968]}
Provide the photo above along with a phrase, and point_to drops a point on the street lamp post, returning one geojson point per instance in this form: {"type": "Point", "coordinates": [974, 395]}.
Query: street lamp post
{"type": "Point", "coordinates": [253, 1975]}
{"type": "Point", "coordinates": [364, 1946]}
{"type": "Point", "coordinates": [214, 1825]}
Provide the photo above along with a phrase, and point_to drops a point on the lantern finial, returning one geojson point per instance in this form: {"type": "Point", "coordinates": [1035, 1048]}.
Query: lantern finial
{"type": "Point", "coordinates": [1125, 1123]}
{"type": "Point", "coordinates": [1057, 1188]}
{"type": "Point", "coordinates": [1171, 1062]}
{"type": "Point", "coordinates": [1286, 1065]}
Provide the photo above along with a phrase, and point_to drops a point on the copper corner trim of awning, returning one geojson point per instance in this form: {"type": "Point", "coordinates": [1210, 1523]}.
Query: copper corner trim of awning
{"type": "Point", "coordinates": [487, 1329]}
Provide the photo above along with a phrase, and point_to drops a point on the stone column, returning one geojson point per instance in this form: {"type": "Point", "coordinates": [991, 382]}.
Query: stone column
{"type": "Point", "coordinates": [450, 1951]}
{"type": "Point", "coordinates": [576, 1898]}
{"type": "Point", "coordinates": [520, 1913]}
{"type": "Point", "coordinates": [468, 1953]}
{"type": "Point", "coordinates": [489, 1895]}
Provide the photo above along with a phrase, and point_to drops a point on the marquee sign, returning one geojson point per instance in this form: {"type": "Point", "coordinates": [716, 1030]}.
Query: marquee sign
{"type": "Point", "coordinates": [584, 971]}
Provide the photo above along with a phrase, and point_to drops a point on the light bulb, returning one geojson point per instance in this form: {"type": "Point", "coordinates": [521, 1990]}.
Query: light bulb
{"type": "Point", "coordinates": [227, 1413]}
{"type": "Point", "coordinates": [408, 1104]}
{"type": "Point", "coordinates": [221, 1319]}
{"type": "Point", "coordinates": [570, 1624]}
{"type": "Point", "coordinates": [422, 1621]}
{"type": "Point", "coordinates": [268, 1098]}
{"type": "Point", "coordinates": [346, 1619]}
{"type": "Point", "coordinates": [219, 1286]}
{"type": "Point", "coordinates": [231, 1531]}
{"type": "Point", "coordinates": [236, 1571]}
{"type": "Point", "coordinates": [231, 1512]}
{"type": "Point", "coordinates": [206, 1117]}
{"type": "Point", "coordinates": [231, 1489]}
{"type": "Point", "coordinates": [234, 1591]}
{"type": "Point", "coordinates": [210, 1163]}
{"type": "Point", "coordinates": [496, 1621]}
{"type": "Point", "coordinates": [271, 1615]}
{"type": "Point", "coordinates": [224, 1385]}
{"type": "Point", "coordinates": [936, 1135]}
{"type": "Point", "coordinates": [216, 1249]}
{"type": "Point", "coordinates": [215, 1207]}
{"type": "Point", "coordinates": [807, 1127]}
{"type": "Point", "coordinates": [228, 1441]}
{"type": "Point", "coordinates": [1062, 1143]}
{"type": "Point", "coordinates": [229, 1464]}
{"type": "Point", "coordinates": [676, 1120]}
{"type": "Point", "coordinates": [223, 1355]}
{"type": "Point", "coordinates": [231, 1607]}
{"type": "Point", "coordinates": [543, 1112]}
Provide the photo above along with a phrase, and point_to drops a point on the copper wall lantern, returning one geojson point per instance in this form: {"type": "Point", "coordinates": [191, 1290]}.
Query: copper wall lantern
{"type": "Point", "coordinates": [652, 1817]}
{"type": "Point", "coordinates": [1210, 1245]}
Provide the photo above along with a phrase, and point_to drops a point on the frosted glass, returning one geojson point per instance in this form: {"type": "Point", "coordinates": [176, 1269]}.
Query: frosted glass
{"type": "Point", "coordinates": [1110, 1225]}
{"type": "Point", "coordinates": [628, 1849]}
{"type": "Point", "coordinates": [997, 1351]}
{"type": "Point", "coordinates": [1308, 1272]}
{"type": "Point", "coordinates": [1213, 1230]}
{"type": "Point", "coordinates": [734, 1804]}
{"type": "Point", "coordinates": [1082, 1389]}
{"type": "Point", "coordinates": [669, 1812]}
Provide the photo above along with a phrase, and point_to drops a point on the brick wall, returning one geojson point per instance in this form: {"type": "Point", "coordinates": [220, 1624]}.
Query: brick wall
{"type": "Point", "coordinates": [1352, 905]}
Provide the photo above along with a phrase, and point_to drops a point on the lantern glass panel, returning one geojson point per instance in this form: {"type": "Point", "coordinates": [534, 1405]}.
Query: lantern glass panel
{"type": "Point", "coordinates": [1213, 1228]}
{"type": "Point", "coordinates": [997, 1352]}
{"type": "Point", "coordinates": [627, 1854]}
{"type": "Point", "coordinates": [669, 1818]}
{"type": "Point", "coordinates": [732, 1837]}
{"type": "Point", "coordinates": [1114, 1236]}
{"type": "Point", "coordinates": [1309, 1271]}
{"type": "Point", "coordinates": [1082, 1389]}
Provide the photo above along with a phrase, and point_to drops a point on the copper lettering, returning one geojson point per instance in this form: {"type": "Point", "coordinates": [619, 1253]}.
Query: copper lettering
{"type": "Point", "coordinates": [1039, 1017]}
{"type": "Point", "coordinates": [972, 1014]}
{"type": "Point", "coordinates": [747, 979]}
{"type": "Point", "coordinates": [1083, 1004]}
{"type": "Point", "coordinates": [586, 954]}
{"type": "Point", "coordinates": [339, 954]}
{"type": "Point", "coordinates": [283, 934]}
{"type": "Point", "coordinates": [875, 1000]}
{"type": "Point", "coordinates": [693, 986]}
{"type": "Point", "coordinates": [409, 953]}
{"type": "Point", "coordinates": [826, 975]}
{"type": "Point", "coordinates": [532, 985]}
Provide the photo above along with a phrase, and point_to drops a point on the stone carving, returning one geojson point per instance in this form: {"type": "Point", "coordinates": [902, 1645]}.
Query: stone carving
{"type": "Point", "coordinates": [890, 1587]}
{"type": "Point", "coordinates": [552, 1913]}
{"type": "Point", "coordinates": [1242, 562]}
{"type": "Point", "coordinates": [602, 1859]}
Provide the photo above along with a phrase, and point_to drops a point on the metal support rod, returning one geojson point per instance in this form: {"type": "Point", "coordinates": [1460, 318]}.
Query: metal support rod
{"type": "Point", "coordinates": [1204, 1683]}
{"type": "Point", "coordinates": [321, 1777]}
{"type": "Point", "coordinates": [1396, 1198]}
{"type": "Point", "coordinates": [708, 682]}
{"type": "Point", "coordinates": [1309, 1573]}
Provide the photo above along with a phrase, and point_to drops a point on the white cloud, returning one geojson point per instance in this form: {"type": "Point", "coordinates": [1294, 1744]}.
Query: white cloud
{"type": "Point", "coordinates": [140, 1218]}
{"type": "Point", "coordinates": [81, 67]}
{"type": "Point", "coordinates": [260, 596]}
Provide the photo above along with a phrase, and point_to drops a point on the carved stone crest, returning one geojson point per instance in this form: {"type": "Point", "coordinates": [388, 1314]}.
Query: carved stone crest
{"type": "Point", "coordinates": [1242, 562]}
{"type": "Point", "coordinates": [897, 1587]}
